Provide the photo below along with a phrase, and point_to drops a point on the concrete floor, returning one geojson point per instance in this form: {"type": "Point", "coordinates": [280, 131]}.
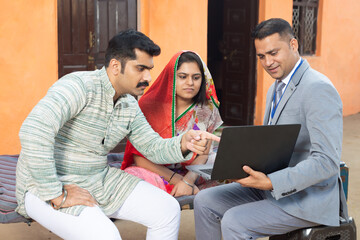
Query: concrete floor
{"type": "Point", "coordinates": [133, 231]}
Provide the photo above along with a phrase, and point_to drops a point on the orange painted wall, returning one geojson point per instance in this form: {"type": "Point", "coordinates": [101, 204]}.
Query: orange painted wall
{"type": "Point", "coordinates": [28, 63]}
{"type": "Point", "coordinates": [337, 55]}
{"type": "Point", "coordinates": [28, 58]}
{"type": "Point", "coordinates": [174, 25]}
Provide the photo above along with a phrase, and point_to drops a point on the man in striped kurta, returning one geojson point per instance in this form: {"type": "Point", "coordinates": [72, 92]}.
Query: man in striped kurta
{"type": "Point", "coordinates": [63, 180]}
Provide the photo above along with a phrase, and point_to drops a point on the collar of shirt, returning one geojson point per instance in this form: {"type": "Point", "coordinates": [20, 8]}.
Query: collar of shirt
{"type": "Point", "coordinates": [107, 86]}
{"type": "Point", "coordinates": [287, 78]}
{"type": "Point", "coordinates": [286, 81]}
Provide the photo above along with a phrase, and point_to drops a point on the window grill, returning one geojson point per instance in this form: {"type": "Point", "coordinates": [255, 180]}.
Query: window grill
{"type": "Point", "coordinates": [304, 22]}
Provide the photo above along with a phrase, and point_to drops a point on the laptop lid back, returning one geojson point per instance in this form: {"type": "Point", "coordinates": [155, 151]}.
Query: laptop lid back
{"type": "Point", "coordinates": [265, 148]}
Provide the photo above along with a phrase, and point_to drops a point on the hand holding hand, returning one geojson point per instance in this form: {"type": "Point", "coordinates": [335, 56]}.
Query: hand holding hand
{"type": "Point", "coordinates": [196, 141]}
{"type": "Point", "coordinates": [75, 196]}
{"type": "Point", "coordinates": [255, 180]}
{"type": "Point", "coordinates": [182, 189]}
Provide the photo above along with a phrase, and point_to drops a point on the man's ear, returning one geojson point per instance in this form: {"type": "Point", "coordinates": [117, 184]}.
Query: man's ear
{"type": "Point", "coordinates": [294, 45]}
{"type": "Point", "coordinates": [115, 66]}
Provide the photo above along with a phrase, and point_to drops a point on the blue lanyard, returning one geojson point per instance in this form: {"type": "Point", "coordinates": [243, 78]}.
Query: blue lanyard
{"type": "Point", "coordinates": [274, 103]}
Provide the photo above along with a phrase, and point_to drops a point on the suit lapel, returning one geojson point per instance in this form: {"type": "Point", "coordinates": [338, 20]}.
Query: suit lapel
{"type": "Point", "coordinates": [285, 98]}
{"type": "Point", "coordinates": [268, 104]}
{"type": "Point", "coordinates": [287, 94]}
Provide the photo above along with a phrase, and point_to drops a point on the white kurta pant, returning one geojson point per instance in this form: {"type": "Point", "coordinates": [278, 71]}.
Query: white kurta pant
{"type": "Point", "coordinates": [147, 205]}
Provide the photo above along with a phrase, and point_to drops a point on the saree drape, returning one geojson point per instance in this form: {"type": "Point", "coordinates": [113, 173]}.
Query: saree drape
{"type": "Point", "coordinates": [159, 104]}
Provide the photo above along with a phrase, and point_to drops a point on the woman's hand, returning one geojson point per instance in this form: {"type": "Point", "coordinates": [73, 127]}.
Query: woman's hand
{"type": "Point", "coordinates": [75, 196]}
{"type": "Point", "coordinates": [182, 189]}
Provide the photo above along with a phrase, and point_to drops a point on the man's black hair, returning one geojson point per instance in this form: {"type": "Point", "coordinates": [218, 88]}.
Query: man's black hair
{"type": "Point", "coordinates": [271, 26]}
{"type": "Point", "coordinates": [200, 97]}
{"type": "Point", "coordinates": [122, 47]}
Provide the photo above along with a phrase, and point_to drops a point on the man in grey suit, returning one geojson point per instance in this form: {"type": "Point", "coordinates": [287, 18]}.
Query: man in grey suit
{"type": "Point", "coordinates": [309, 191]}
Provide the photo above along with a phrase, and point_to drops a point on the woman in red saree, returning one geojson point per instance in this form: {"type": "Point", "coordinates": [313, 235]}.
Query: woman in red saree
{"type": "Point", "coordinates": [182, 98]}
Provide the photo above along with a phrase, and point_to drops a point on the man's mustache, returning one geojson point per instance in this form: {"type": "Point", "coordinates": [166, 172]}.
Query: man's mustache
{"type": "Point", "coordinates": [140, 84]}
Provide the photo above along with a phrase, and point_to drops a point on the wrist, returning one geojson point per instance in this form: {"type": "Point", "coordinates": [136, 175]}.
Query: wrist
{"type": "Point", "coordinates": [191, 177]}
{"type": "Point", "coordinates": [190, 185]}
{"type": "Point", "coordinates": [176, 178]}
{"type": "Point", "coordinates": [171, 177]}
{"type": "Point", "coordinates": [184, 150]}
{"type": "Point", "coordinates": [63, 199]}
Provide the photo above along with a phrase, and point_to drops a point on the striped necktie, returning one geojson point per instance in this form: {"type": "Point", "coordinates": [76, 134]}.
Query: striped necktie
{"type": "Point", "coordinates": [279, 87]}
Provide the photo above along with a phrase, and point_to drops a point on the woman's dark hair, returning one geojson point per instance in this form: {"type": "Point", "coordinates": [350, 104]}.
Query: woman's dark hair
{"type": "Point", "coordinates": [271, 26]}
{"type": "Point", "coordinates": [200, 97]}
{"type": "Point", "coordinates": [122, 47]}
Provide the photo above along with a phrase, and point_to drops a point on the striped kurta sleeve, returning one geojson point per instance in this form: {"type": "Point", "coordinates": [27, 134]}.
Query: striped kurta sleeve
{"type": "Point", "coordinates": [64, 100]}
{"type": "Point", "coordinates": [151, 145]}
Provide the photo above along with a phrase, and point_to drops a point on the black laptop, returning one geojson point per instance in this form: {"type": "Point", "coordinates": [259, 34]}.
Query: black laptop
{"type": "Point", "coordinates": [265, 148]}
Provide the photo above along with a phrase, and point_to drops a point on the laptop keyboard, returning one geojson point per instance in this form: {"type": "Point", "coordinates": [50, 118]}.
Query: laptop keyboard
{"type": "Point", "coordinates": [207, 170]}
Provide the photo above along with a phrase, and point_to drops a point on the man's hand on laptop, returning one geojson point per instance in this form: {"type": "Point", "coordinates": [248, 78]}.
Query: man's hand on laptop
{"type": "Point", "coordinates": [255, 180]}
{"type": "Point", "coordinates": [196, 141]}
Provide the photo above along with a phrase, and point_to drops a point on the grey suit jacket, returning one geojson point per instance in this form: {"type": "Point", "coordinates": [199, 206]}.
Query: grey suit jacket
{"type": "Point", "coordinates": [310, 188]}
